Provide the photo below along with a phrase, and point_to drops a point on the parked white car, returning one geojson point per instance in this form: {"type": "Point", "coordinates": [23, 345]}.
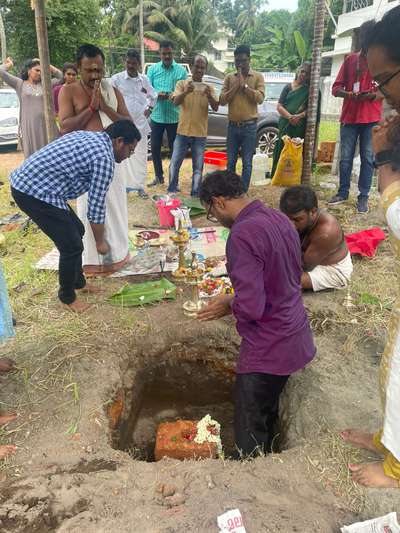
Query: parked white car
{"type": "Point", "coordinates": [275, 82]}
{"type": "Point", "coordinates": [9, 117]}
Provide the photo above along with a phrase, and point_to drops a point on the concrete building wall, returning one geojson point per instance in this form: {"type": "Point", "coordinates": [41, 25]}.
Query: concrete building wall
{"type": "Point", "coordinates": [221, 55]}
{"type": "Point", "coordinates": [347, 24]}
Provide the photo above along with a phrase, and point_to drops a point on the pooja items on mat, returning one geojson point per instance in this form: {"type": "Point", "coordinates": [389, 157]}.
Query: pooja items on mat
{"type": "Point", "coordinates": [180, 238]}
{"type": "Point", "coordinates": [210, 287]}
{"type": "Point", "coordinates": [193, 277]}
{"type": "Point", "coordinates": [146, 261]}
{"type": "Point", "coordinates": [212, 262]}
{"type": "Point", "coordinates": [206, 242]}
{"type": "Point", "coordinates": [216, 266]}
{"type": "Point", "coordinates": [181, 216]}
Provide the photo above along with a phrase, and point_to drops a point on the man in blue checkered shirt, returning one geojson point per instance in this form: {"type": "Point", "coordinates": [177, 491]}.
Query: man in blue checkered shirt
{"type": "Point", "coordinates": [77, 163]}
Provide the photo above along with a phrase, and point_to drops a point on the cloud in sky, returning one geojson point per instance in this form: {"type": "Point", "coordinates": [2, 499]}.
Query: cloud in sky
{"type": "Point", "coordinates": [291, 5]}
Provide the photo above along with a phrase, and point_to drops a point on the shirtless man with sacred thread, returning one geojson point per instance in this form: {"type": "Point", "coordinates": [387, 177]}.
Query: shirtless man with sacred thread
{"type": "Point", "coordinates": [92, 104]}
{"type": "Point", "coordinates": [326, 259]}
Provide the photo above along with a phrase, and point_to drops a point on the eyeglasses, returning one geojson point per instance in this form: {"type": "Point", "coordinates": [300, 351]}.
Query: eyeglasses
{"type": "Point", "coordinates": [381, 85]}
{"type": "Point", "coordinates": [210, 216]}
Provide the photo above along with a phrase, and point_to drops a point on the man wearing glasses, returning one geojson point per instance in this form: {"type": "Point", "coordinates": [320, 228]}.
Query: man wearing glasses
{"type": "Point", "coordinates": [264, 265]}
{"type": "Point", "coordinates": [243, 91]}
{"type": "Point", "coordinates": [361, 111]}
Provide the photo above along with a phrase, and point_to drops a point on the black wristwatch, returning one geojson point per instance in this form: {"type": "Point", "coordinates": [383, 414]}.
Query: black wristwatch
{"type": "Point", "coordinates": [383, 158]}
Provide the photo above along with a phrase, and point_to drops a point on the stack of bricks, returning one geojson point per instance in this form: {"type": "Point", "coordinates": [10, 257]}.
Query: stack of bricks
{"type": "Point", "coordinates": [175, 440]}
{"type": "Point", "coordinates": [326, 152]}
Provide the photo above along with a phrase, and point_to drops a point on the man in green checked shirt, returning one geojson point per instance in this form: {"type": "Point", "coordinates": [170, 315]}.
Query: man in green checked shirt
{"type": "Point", "coordinates": [164, 76]}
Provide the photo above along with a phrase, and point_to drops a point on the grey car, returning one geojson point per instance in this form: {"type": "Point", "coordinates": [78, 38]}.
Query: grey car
{"type": "Point", "coordinates": [267, 131]}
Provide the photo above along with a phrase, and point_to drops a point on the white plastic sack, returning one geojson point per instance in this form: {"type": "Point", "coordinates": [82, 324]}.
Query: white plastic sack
{"type": "Point", "coordinates": [383, 524]}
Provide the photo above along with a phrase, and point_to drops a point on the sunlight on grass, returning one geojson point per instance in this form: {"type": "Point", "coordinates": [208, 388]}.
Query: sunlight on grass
{"type": "Point", "coordinates": [328, 131]}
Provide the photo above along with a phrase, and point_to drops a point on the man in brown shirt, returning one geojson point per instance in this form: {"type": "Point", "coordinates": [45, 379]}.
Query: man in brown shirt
{"type": "Point", "coordinates": [193, 96]}
{"type": "Point", "coordinates": [326, 259]}
{"type": "Point", "coordinates": [243, 91]}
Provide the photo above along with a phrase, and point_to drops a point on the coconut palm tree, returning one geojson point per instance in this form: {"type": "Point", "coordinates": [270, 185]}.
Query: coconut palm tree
{"type": "Point", "coordinates": [309, 141]}
{"type": "Point", "coordinates": [246, 20]}
{"type": "Point", "coordinates": [191, 24]}
{"type": "Point", "coordinates": [131, 19]}
{"type": "Point", "coordinates": [3, 40]}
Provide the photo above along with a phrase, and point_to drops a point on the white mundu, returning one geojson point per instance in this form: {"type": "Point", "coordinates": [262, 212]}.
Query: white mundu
{"type": "Point", "coordinates": [116, 222]}
{"type": "Point", "coordinates": [139, 95]}
{"type": "Point", "coordinates": [390, 364]}
{"type": "Point", "coordinates": [332, 276]}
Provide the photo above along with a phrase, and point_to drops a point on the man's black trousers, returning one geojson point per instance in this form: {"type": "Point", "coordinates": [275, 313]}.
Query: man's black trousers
{"type": "Point", "coordinates": [256, 412]}
{"type": "Point", "coordinates": [65, 229]}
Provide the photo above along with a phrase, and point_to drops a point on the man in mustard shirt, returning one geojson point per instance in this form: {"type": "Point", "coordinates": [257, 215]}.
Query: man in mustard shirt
{"type": "Point", "coordinates": [243, 91]}
{"type": "Point", "coordinates": [193, 96]}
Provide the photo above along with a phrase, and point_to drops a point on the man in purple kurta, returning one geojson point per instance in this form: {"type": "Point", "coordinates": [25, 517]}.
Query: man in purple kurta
{"type": "Point", "coordinates": [264, 264]}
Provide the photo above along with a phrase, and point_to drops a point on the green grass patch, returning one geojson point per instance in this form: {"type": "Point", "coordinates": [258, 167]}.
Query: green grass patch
{"type": "Point", "coordinates": [328, 131]}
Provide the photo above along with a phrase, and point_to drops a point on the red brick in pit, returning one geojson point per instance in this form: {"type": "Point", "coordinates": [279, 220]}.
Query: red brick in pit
{"type": "Point", "coordinates": [175, 440]}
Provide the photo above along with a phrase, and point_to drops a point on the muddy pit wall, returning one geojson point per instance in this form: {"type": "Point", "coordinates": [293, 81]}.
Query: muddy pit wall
{"type": "Point", "coordinates": [214, 347]}
{"type": "Point", "coordinates": [336, 390]}
{"type": "Point", "coordinates": [326, 394]}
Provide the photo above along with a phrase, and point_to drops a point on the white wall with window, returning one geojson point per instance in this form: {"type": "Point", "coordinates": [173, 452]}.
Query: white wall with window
{"type": "Point", "coordinates": [355, 13]}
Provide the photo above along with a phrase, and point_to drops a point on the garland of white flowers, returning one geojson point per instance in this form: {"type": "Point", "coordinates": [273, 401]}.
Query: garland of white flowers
{"type": "Point", "coordinates": [205, 435]}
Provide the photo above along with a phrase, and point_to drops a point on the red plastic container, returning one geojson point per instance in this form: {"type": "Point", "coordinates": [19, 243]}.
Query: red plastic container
{"type": "Point", "coordinates": [215, 161]}
{"type": "Point", "coordinates": [164, 211]}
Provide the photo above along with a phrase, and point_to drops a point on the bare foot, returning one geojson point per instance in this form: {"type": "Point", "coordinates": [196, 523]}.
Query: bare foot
{"type": "Point", "coordinates": [77, 306]}
{"type": "Point", "coordinates": [6, 365]}
{"type": "Point", "coordinates": [7, 450]}
{"type": "Point", "coordinates": [5, 419]}
{"type": "Point", "coordinates": [373, 475]}
{"type": "Point", "coordinates": [358, 438]}
{"type": "Point", "coordinates": [90, 289]}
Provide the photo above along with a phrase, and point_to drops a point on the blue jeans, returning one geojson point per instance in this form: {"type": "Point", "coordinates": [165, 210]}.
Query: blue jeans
{"type": "Point", "coordinates": [242, 138]}
{"type": "Point", "coordinates": [181, 145]}
{"type": "Point", "coordinates": [349, 133]}
{"type": "Point", "coordinates": [157, 132]}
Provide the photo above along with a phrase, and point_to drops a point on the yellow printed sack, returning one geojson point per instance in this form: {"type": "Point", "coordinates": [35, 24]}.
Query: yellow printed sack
{"type": "Point", "coordinates": [290, 164]}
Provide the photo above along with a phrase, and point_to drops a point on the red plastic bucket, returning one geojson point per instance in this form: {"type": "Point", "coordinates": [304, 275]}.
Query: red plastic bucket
{"type": "Point", "coordinates": [215, 161]}
{"type": "Point", "coordinates": [164, 211]}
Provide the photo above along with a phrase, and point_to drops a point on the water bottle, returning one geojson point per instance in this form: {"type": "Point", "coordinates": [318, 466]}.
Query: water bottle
{"type": "Point", "coordinates": [268, 172]}
{"type": "Point", "coordinates": [260, 167]}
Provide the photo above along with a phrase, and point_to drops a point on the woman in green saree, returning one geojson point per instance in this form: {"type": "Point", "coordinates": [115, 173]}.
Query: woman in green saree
{"type": "Point", "coordinates": [292, 107]}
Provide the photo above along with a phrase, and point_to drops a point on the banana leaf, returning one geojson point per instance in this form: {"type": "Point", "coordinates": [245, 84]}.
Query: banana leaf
{"type": "Point", "coordinates": [136, 294]}
{"type": "Point", "coordinates": [194, 204]}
